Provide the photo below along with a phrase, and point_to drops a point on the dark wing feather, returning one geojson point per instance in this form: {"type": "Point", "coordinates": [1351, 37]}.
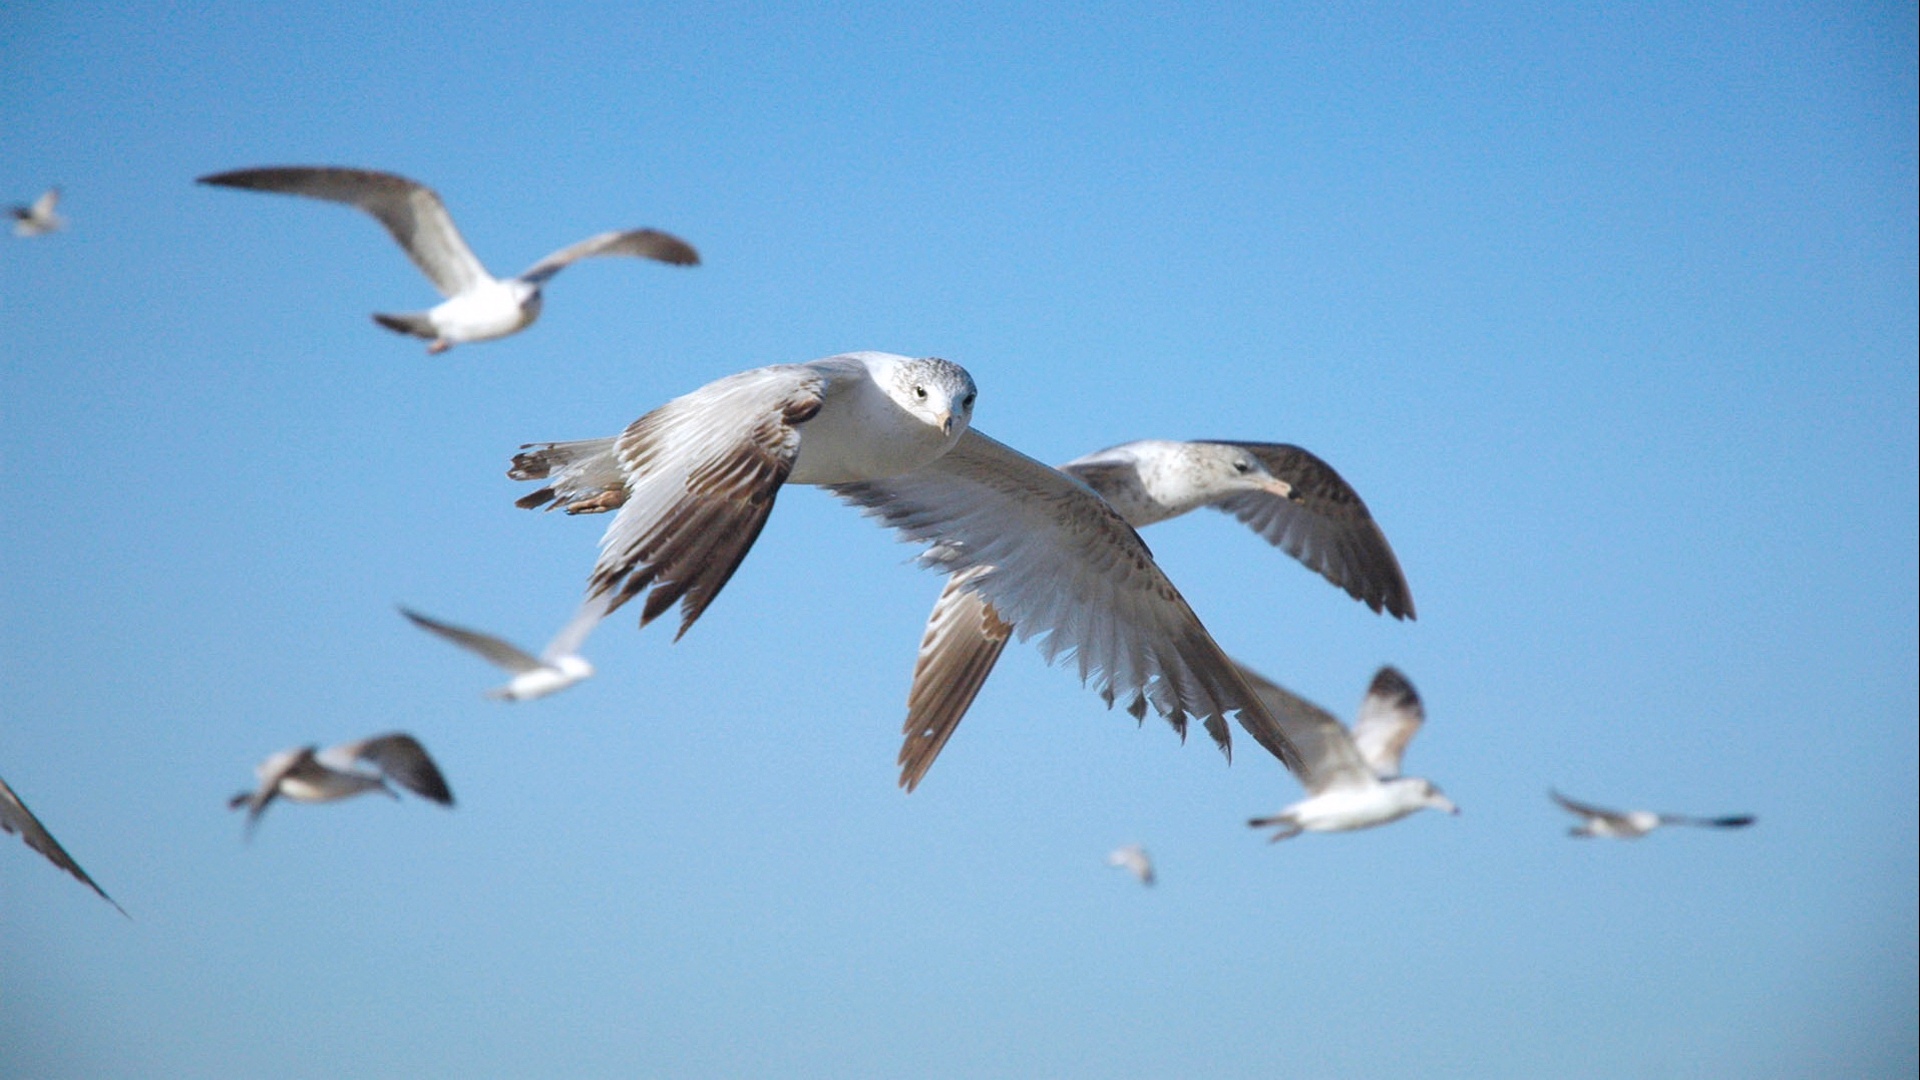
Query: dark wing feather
{"type": "Point", "coordinates": [16, 818]}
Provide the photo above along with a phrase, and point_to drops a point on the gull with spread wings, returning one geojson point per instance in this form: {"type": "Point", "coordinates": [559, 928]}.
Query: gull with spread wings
{"type": "Point", "coordinates": [310, 774]}
{"type": "Point", "coordinates": [38, 219]}
{"type": "Point", "coordinates": [558, 666]}
{"type": "Point", "coordinates": [16, 818]}
{"type": "Point", "coordinates": [1634, 824]}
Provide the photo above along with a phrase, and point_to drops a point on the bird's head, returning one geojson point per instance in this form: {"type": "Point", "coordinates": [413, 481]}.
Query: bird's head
{"type": "Point", "coordinates": [938, 392]}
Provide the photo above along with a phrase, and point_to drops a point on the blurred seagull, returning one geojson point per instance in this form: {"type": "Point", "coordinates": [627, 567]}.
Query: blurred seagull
{"type": "Point", "coordinates": [39, 220]}
{"type": "Point", "coordinates": [558, 666]}
{"type": "Point", "coordinates": [1134, 859]}
{"type": "Point", "coordinates": [479, 307]}
{"type": "Point", "coordinates": [1289, 496]}
{"type": "Point", "coordinates": [308, 774]}
{"type": "Point", "coordinates": [1634, 824]}
{"type": "Point", "coordinates": [695, 480]}
{"type": "Point", "coordinates": [16, 818]}
{"type": "Point", "coordinates": [1353, 777]}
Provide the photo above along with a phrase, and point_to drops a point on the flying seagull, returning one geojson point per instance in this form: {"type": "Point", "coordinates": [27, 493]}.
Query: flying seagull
{"type": "Point", "coordinates": [478, 306]}
{"type": "Point", "coordinates": [1289, 496]}
{"type": "Point", "coordinates": [1634, 824]}
{"type": "Point", "coordinates": [558, 666]}
{"type": "Point", "coordinates": [38, 219]}
{"type": "Point", "coordinates": [309, 774]}
{"type": "Point", "coordinates": [695, 480]}
{"type": "Point", "coordinates": [1352, 777]}
{"type": "Point", "coordinates": [1134, 859]}
{"type": "Point", "coordinates": [16, 818]}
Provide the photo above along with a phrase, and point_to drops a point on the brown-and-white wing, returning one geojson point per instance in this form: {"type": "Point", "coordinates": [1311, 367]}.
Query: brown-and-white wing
{"type": "Point", "coordinates": [412, 213]}
{"type": "Point", "coordinates": [497, 651]}
{"type": "Point", "coordinates": [400, 758]}
{"type": "Point", "coordinates": [641, 243]}
{"type": "Point", "coordinates": [1390, 716]}
{"type": "Point", "coordinates": [1325, 525]}
{"type": "Point", "coordinates": [1059, 564]}
{"type": "Point", "coordinates": [963, 641]}
{"type": "Point", "coordinates": [1588, 810]}
{"type": "Point", "coordinates": [1327, 752]}
{"type": "Point", "coordinates": [702, 472]}
{"type": "Point", "coordinates": [16, 818]}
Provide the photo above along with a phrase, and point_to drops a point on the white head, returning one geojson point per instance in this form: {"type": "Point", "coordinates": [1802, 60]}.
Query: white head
{"type": "Point", "coordinates": [1184, 476]}
{"type": "Point", "coordinates": [938, 392]}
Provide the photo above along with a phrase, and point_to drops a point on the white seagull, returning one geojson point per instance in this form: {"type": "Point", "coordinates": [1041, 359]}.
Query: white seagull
{"type": "Point", "coordinates": [1353, 777]}
{"type": "Point", "coordinates": [38, 220]}
{"type": "Point", "coordinates": [309, 774]}
{"type": "Point", "coordinates": [479, 307]}
{"type": "Point", "coordinates": [1134, 860]}
{"type": "Point", "coordinates": [1634, 824]}
{"type": "Point", "coordinates": [695, 479]}
{"type": "Point", "coordinates": [558, 666]}
{"type": "Point", "coordinates": [16, 818]}
{"type": "Point", "coordinates": [1289, 496]}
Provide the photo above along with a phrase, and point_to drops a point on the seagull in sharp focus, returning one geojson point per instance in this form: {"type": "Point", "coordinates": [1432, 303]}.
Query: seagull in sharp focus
{"type": "Point", "coordinates": [1352, 777]}
{"type": "Point", "coordinates": [1134, 859]}
{"type": "Point", "coordinates": [16, 818]}
{"type": "Point", "coordinates": [1634, 824]}
{"type": "Point", "coordinates": [38, 219]}
{"type": "Point", "coordinates": [1289, 496]}
{"type": "Point", "coordinates": [478, 306]}
{"type": "Point", "coordinates": [558, 666]}
{"type": "Point", "coordinates": [309, 774]}
{"type": "Point", "coordinates": [694, 481]}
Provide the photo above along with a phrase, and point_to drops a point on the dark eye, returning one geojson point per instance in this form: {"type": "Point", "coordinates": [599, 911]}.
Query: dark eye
{"type": "Point", "coordinates": [920, 392]}
{"type": "Point", "coordinates": [967, 402]}
{"type": "Point", "coordinates": [1242, 467]}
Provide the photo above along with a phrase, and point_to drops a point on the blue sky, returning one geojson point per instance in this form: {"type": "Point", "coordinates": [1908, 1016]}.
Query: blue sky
{"type": "Point", "coordinates": [1609, 314]}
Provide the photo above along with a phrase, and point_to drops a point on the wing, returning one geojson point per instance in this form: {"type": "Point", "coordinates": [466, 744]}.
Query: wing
{"type": "Point", "coordinates": [43, 208]}
{"type": "Point", "coordinates": [412, 213]}
{"type": "Point", "coordinates": [16, 818]}
{"type": "Point", "coordinates": [1390, 716]}
{"type": "Point", "coordinates": [1324, 525]}
{"type": "Point", "coordinates": [1056, 561]}
{"type": "Point", "coordinates": [963, 641]}
{"type": "Point", "coordinates": [573, 635]}
{"type": "Point", "coordinates": [643, 243]}
{"type": "Point", "coordinates": [1587, 810]}
{"type": "Point", "coordinates": [1737, 821]}
{"type": "Point", "coordinates": [1329, 758]}
{"type": "Point", "coordinates": [702, 471]}
{"type": "Point", "coordinates": [402, 759]}
{"type": "Point", "coordinates": [586, 476]}
{"type": "Point", "coordinates": [498, 652]}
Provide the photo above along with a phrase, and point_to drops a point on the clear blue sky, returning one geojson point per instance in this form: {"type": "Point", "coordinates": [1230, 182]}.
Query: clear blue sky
{"type": "Point", "coordinates": [1609, 315]}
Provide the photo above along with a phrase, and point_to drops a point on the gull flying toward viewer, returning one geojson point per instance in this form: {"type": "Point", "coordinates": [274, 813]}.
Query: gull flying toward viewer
{"type": "Point", "coordinates": [1634, 824]}
{"type": "Point", "coordinates": [558, 666]}
{"type": "Point", "coordinates": [479, 307]}
{"type": "Point", "coordinates": [16, 818]}
{"type": "Point", "coordinates": [309, 774]}
{"type": "Point", "coordinates": [1134, 860]}
{"type": "Point", "coordinates": [695, 480]}
{"type": "Point", "coordinates": [38, 219]}
{"type": "Point", "coordinates": [1353, 777]}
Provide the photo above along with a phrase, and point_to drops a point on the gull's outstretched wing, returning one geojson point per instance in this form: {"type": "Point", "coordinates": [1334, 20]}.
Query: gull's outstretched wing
{"type": "Point", "coordinates": [585, 474]}
{"type": "Point", "coordinates": [1329, 757]}
{"type": "Point", "coordinates": [1588, 810]}
{"type": "Point", "coordinates": [568, 640]}
{"type": "Point", "coordinates": [702, 472]}
{"type": "Point", "coordinates": [400, 758]}
{"type": "Point", "coordinates": [1390, 716]}
{"type": "Point", "coordinates": [964, 639]}
{"type": "Point", "coordinates": [16, 818]}
{"type": "Point", "coordinates": [43, 208]}
{"type": "Point", "coordinates": [1056, 561]}
{"type": "Point", "coordinates": [1324, 525]}
{"type": "Point", "coordinates": [1735, 821]}
{"type": "Point", "coordinates": [498, 652]}
{"type": "Point", "coordinates": [643, 243]}
{"type": "Point", "coordinates": [411, 212]}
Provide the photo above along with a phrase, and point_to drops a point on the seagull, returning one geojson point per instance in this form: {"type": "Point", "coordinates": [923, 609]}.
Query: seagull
{"type": "Point", "coordinates": [38, 220]}
{"type": "Point", "coordinates": [1634, 824]}
{"type": "Point", "coordinates": [558, 666]}
{"type": "Point", "coordinates": [309, 774]}
{"type": "Point", "coordinates": [1135, 860]}
{"type": "Point", "coordinates": [694, 481]}
{"type": "Point", "coordinates": [1289, 496]}
{"type": "Point", "coordinates": [1353, 777]}
{"type": "Point", "coordinates": [16, 818]}
{"type": "Point", "coordinates": [479, 307]}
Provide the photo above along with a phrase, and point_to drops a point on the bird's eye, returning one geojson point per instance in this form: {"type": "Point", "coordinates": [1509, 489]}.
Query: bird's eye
{"type": "Point", "coordinates": [967, 402]}
{"type": "Point", "coordinates": [1242, 467]}
{"type": "Point", "coordinates": [919, 392]}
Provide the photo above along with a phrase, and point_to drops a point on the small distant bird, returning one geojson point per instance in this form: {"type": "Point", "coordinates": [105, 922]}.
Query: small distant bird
{"type": "Point", "coordinates": [479, 307]}
{"type": "Point", "coordinates": [1634, 824]}
{"type": "Point", "coordinates": [1353, 777]}
{"type": "Point", "coordinates": [39, 218]}
{"type": "Point", "coordinates": [309, 774]}
{"type": "Point", "coordinates": [558, 666]}
{"type": "Point", "coordinates": [16, 818]}
{"type": "Point", "coordinates": [1134, 859]}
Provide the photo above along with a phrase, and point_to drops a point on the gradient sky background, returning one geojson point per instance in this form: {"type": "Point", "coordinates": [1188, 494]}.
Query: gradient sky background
{"type": "Point", "coordinates": [1608, 314]}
